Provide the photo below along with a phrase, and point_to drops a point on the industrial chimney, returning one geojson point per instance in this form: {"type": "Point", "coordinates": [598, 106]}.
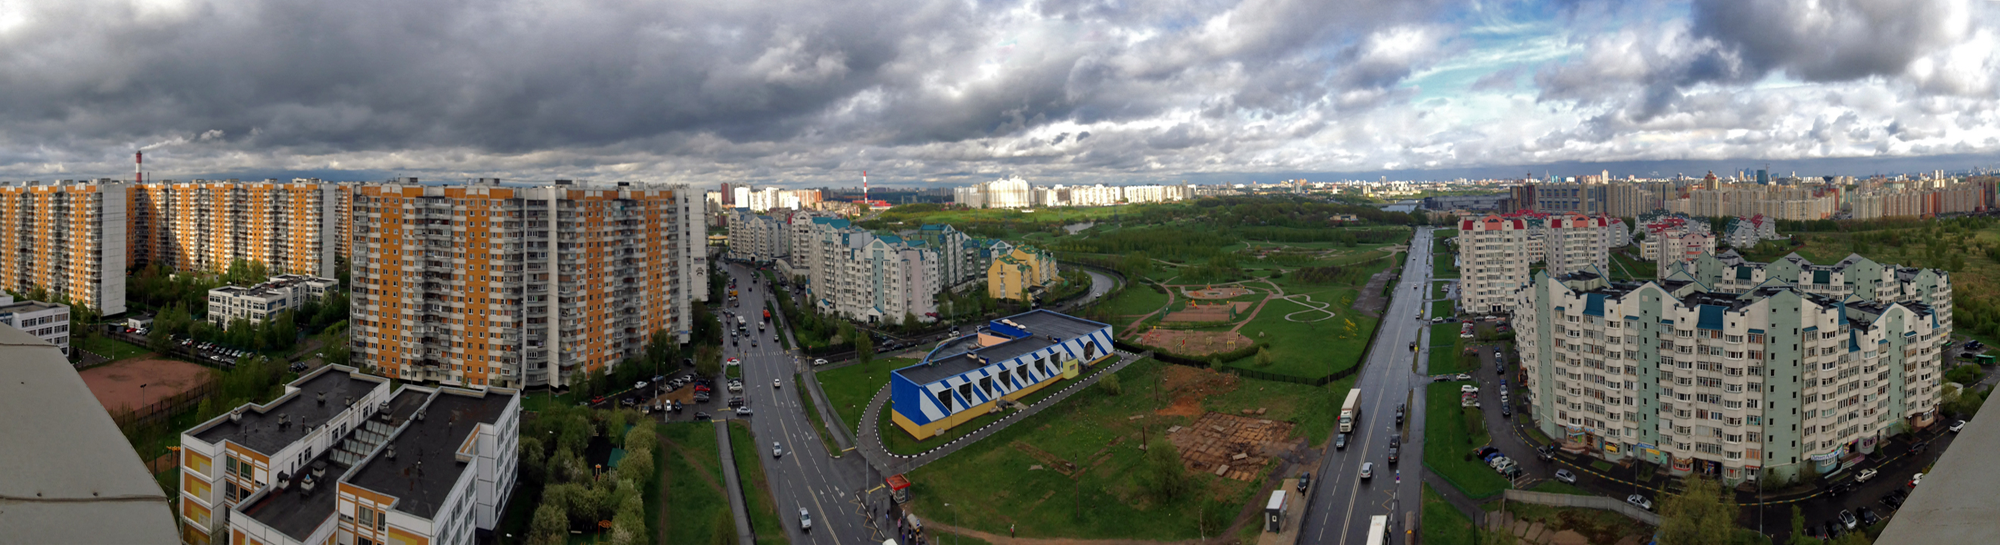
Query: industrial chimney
{"type": "Point", "coordinates": [138, 167]}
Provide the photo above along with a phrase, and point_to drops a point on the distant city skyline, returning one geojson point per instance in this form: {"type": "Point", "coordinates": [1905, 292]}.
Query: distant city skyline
{"type": "Point", "coordinates": [943, 94]}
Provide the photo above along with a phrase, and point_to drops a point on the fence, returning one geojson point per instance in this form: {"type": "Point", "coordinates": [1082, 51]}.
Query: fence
{"type": "Point", "coordinates": [1586, 502]}
{"type": "Point", "coordinates": [159, 412]}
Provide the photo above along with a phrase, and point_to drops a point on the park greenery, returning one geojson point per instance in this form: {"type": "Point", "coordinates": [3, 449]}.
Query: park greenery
{"type": "Point", "coordinates": [576, 494]}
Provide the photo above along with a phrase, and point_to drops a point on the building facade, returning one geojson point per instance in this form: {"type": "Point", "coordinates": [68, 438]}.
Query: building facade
{"type": "Point", "coordinates": [1009, 358]}
{"type": "Point", "coordinates": [292, 228]}
{"type": "Point", "coordinates": [517, 286]}
{"type": "Point", "coordinates": [46, 321]}
{"type": "Point", "coordinates": [1493, 262]}
{"type": "Point", "coordinates": [1023, 274]}
{"type": "Point", "coordinates": [1576, 242]}
{"type": "Point", "coordinates": [264, 301]}
{"type": "Point", "coordinates": [1730, 384]}
{"type": "Point", "coordinates": [68, 238]}
{"type": "Point", "coordinates": [758, 238]}
{"type": "Point", "coordinates": [1745, 232]}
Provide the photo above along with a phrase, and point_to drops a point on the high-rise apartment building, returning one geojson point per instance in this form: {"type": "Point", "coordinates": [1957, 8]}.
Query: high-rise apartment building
{"type": "Point", "coordinates": [343, 458]}
{"type": "Point", "coordinates": [1493, 262]}
{"type": "Point", "coordinates": [68, 238]}
{"type": "Point", "coordinates": [1731, 384]}
{"type": "Point", "coordinates": [1745, 232]}
{"type": "Point", "coordinates": [1674, 239]}
{"type": "Point", "coordinates": [860, 275]}
{"type": "Point", "coordinates": [758, 238]}
{"type": "Point", "coordinates": [290, 227]}
{"type": "Point", "coordinates": [955, 264]}
{"type": "Point", "coordinates": [518, 286]}
{"type": "Point", "coordinates": [1576, 242]}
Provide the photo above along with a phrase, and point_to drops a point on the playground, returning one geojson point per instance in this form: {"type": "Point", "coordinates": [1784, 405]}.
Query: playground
{"type": "Point", "coordinates": [1194, 343]}
{"type": "Point", "coordinates": [1217, 292]}
{"type": "Point", "coordinates": [1199, 312]}
{"type": "Point", "coordinates": [142, 381]}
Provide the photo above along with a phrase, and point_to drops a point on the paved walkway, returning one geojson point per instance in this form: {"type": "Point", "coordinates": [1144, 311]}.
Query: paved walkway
{"type": "Point", "coordinates": [890, 464]}
{"type": "Point", "coordinates": [835, 428]}
{"type": "Point", "coordinates": [735, 485]}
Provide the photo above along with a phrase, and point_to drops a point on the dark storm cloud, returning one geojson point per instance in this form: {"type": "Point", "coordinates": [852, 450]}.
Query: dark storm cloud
{"type": "Point", "coordinates": [1831, 40]}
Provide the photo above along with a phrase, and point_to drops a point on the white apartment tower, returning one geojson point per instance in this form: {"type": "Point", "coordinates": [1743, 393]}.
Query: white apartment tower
{"type": "Point", "coordinates": [1493, 262]}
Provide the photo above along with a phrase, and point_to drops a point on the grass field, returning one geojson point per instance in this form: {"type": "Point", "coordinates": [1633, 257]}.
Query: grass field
{"type": "Point", "coordinates": [1442, 523]}
{"type": "Point", "coordinates": [1445, 334]}
{"type": "Point", "coordinates": [1559, 487]}
{"type": "Point", "coordinates": [989, 486]}
{"type": "Point", "coordinates": [1450, 359]}
{"type": "Point", "coordinates": [812, 412]}
{"type": "Point", "coordinates": [696, 499]}
{"type": "Point", "coordinates": [1448, 440]}
{"type": "Point", "coordinates": [764, 520]}
{"type": "Point", "coordinates": [1625, 267]}
{"type": "Point", "coordinates": [1437, 290]}
{"type": "Point", "coordinates": [850, 388]}
{"type": "Point", "coordinates": [1595, 525]}
{"type": "Point", "coordinates": [1136, 299]}
{"type": "Point", "coordinates": [1441, 265]}
{"type": "Point", "coordinates": [111, 348]}
{"type": "Point", "coordinates": [1441, 308]}
{"type": "Point", "coordinates": [1309, 349]}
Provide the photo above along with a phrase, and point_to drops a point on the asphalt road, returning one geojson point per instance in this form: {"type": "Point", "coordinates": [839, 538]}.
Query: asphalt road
{"type": "Point", "coordinates": [1342, 503]}
{"type": "Point", "coordinates": [806, 475]}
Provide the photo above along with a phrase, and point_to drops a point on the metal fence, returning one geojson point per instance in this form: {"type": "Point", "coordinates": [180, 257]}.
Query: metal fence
{"type": "Point", "coordinates": [159, 412]}
{"type": "Point", "coordinates": [1586, 502]}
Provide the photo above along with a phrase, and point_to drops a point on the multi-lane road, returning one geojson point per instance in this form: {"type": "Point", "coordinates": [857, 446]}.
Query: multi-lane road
{"type": "Point", "coordinates": [1341, 501]}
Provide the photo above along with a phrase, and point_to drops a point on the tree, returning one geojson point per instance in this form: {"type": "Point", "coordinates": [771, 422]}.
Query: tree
{"type": "Point", "coordinates": [864, 347]}
{"type": "Point", "coordinates": [1110, 384]}
{"type": "Point", "coordinates": [1799, 536]}
{"type": "Point", "coordinates": [1702, 513]}
{"type": "Point", "coordinates": [550, 525]}
{"type": "Point", "coordinates": [1165, 478]}
{"type": "Point", "coordinates": [1263, 357]}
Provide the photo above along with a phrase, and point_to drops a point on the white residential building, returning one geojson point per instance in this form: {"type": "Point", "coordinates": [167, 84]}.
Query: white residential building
{"type": "Point", "coordinates": [1577, 242]}
{"type": "Point", "coordinates": [46, 321]}
{"type": "Point", "coordinates": [1493, 262]}
{"type": "Point", "coordinates": [264, 301]}
{"type": "Point", "coordinates": [758, 238]}
{"type": "Point", "coordinates": [1745, 232]}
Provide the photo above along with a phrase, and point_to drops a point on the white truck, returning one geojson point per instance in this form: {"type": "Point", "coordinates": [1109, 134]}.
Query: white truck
{"type": "Point", "coordinates": [1350, 410]}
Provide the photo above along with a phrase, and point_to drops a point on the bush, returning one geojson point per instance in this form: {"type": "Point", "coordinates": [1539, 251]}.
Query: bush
{"type": "Point", "coordinates": [1110, 384]}
{"type": "Point", "coordinates": [1963, 374]}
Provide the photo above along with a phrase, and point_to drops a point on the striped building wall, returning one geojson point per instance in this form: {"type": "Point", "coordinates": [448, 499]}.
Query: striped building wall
{"type": "Point", "coordinates": [923, 410]}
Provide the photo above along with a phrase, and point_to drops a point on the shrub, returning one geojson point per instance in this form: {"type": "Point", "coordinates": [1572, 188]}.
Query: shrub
{"type": "Point", "coordinates": [1110, 384]}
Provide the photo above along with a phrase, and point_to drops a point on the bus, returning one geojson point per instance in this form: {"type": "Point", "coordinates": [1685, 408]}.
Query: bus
{"type": "Point", "coordinates": [1378, 529]}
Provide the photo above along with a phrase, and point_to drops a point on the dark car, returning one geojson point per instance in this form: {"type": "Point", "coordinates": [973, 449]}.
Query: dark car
{"type": "Point", "coordinates": [1305, 480]}
{"type": "Point", "coordinates": [1833, 530]}
{"type": "Point", "coordinates": [1481, 452]}
{"type": "Point", "coordinates": [1893, 501]}
{"type": "Point", "coordinates": [1506, 411]}
{"type": "Point", "coordinates": [1395, 440]}
{"type": "Point", "coordinates": [1547, 452]}
{"type": "Point", "coordinates": [1340, 442]}
{"type": "Point", "coordinates": [1392, 454]}
{"type": "Point", "coordinates": [701, 416]}
{"type": "Point", "coordinates": [1868, 516]}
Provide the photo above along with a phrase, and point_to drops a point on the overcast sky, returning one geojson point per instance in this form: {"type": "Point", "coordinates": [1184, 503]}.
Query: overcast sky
{"type": "Point", "coordinates": [798, 93]}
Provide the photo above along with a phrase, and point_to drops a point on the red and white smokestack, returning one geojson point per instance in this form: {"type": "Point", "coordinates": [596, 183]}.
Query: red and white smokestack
{"type": "Point", "coordinates": [139, 167]}
{"type": "Point", "coordinates": [864, 186]}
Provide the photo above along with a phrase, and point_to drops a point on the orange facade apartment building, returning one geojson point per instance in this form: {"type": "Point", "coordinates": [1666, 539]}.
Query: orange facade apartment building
{"type": "Point", "coordinates": [65, 237]}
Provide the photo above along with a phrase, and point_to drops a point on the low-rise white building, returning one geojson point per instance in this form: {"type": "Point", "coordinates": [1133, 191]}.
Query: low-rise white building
{"type": "Point", "coordinates": [264, 301]}
{"type": "Point", "coordinates": [46, 321]}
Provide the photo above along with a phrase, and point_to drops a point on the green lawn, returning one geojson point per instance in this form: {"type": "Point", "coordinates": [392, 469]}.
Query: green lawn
{"type": "Point", "coordinates": [1441, 265]}
{"type": "Point", "coordinates": [1625, 267]}
{"type": "Point", "coordinates": [1559, 487]}
{"type": "Point", "coordinates": [812, 412]}
{"type": "Point", "coordinates": [990, 486]}
{"type": "Point", "coordinates": [696, 499]}
{"type": "Point", "coordinates": [111, 348]}
{"type": "Point", "coordinates": [849, 388]}
{"type": "Point", "coordinates": [1437, 290]}
{"type": "Point", "coordinates": [1136, 299]}
{"type": "Point", "coordinates": [1451, 359]}
{"type": "Point", "coordinates": [764, 521]}
{"type": "Point", "coordinates": [1442, 523]}
{"type": "Point", "coordinates": [1441, 308]}
{"type": "Point", "coordinates": [1448, 441]}
{"type": "Point", "coordinates": [1438, 235]}
{"type": "Point", "coordinates": [1445, 334]}
{"type": "Point", "coordinates": [1309, 349]}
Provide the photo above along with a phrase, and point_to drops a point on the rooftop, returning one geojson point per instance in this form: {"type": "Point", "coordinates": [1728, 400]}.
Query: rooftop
{"type": "Point", "coordinates": [1955, 503]}
{"type": "Point", "coordinates": [258, 430]}
{"type": "Point", "coordinates": [70, 477]}
{"type": "Point", "coordinates": [426, 450]}
{"type": "Point", "coordinates": [1045, 327]}
{"type": "Point", "coordinates": [296, 512]}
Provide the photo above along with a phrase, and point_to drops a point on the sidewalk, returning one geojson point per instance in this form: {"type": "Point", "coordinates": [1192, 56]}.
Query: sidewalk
{"type": "Point", "coordinates": [735, 485]}
{"type": "Point", "coordinates": [891, 464]}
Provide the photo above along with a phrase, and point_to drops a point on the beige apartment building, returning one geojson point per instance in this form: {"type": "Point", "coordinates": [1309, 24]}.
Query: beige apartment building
{"type": "Point", "coordinates": [518, 286]}
{"type": "Point", "coordinates": [290, 227]}
{"type": "Point", "coordinates": [1493, 262]}
{"type": "Point", "coordinates": [68, 238]}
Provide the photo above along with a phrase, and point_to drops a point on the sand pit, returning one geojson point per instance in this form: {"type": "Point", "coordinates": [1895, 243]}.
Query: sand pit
{"type": "Point", "coordinates": [1194, 343]}
{"type": "Point", "coordinates": [1198, 312]}
{"type": "Point", "coordinates": [117, 386]}
{"type": "Point", "coordinates": [1223, 292]}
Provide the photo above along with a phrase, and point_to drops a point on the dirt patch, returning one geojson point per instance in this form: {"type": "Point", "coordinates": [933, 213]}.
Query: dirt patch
{"type": "Point", "coordinates": [1194, 343]}
{"type": "Point", "coordinates": [1223, 292]}
{"type": "Point", "coordinates": [141, 381]}
{"type": "Point", "coordinates": [1048, 461]}
{"type": "Point", "coordinates": [1189, 385]}
{"type": "Point", "coordinates": [1237, 447]}
{"type": "Point", "coordinates": [1372, 302]}
{"type": "Point", "coordinates": [1197, 312]}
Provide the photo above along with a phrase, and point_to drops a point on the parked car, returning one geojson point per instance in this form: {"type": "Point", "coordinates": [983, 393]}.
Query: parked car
{"type": "Point", "coordinates": [1864, 475]}
{"type": "Point", "coordinates": [1833, 530]}
{"type": "Point", "coordinates": [1639, 502]}
{"type": "Point", "coordinates": [1914, 480]}
{"type": "Point", "coordinates": [1546, 452]}
{"type": "Point", "coordinates": [819, 361]}
{"type": "Point", "coordinates": [1481, 452]}
{"type": "Point", "coordinates": [700, 416]}
{"type": "Point", "coordinates": [1868, 516]}
{"type": "Point", "coordinates": [1565, 476]}
{"type": "Point", "coordinates": [1959, 425]}
{"type": "Point", "coordinates": [1506, 411]}
{"type": "Point", "coordinates": [1848, 519]}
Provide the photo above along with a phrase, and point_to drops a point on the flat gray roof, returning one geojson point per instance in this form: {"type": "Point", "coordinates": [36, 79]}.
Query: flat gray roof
{"type": "Point", "coordinates": [1955, 502]}
{"type": "Point", "coordinates": [297, 513]}
{"type": "Point", "coordinates": [951, 361]}
{"type": "Point", "coordinates": [426, 463]}
{"type": "Point", "coordinates": [260, 432]}
{"type": "Point", "coordinates": [70, 476]}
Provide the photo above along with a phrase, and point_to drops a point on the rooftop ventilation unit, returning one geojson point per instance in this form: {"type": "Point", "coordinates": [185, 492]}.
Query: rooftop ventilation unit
{"type": "Point", "coordinates": [322, 398]}
{"type": "Point", "coordinates": [389, 452]}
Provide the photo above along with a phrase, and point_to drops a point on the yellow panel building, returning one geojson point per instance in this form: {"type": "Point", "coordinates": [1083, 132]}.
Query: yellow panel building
{"type": "Point", "coordinates": [1022, 274]}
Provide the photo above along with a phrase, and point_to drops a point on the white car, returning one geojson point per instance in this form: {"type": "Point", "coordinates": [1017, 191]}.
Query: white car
{"type": "Point", "coordinates": [774, 384]}
{"type": "Point", "coordinates": [1367, 470]}
{"type": "Point", "coordinates": [777, 450]}
{"type": "Point", "coordinates": [819, 361]}
{"type": "Point", "coordinates": [732, 361]}
{"type": "Point", "coordinates": [743, 411]}
{"type": "Point", "coordinates": [1565, 476]}
{"type": "Point", "coordinates": [1864, 475]}
{"type": "Point", "coordinates": [1639, 502]}
{"type": "Point", "coordinates": [1959, 425]}
{"type": "Point", "coordinates": [805, 520]}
